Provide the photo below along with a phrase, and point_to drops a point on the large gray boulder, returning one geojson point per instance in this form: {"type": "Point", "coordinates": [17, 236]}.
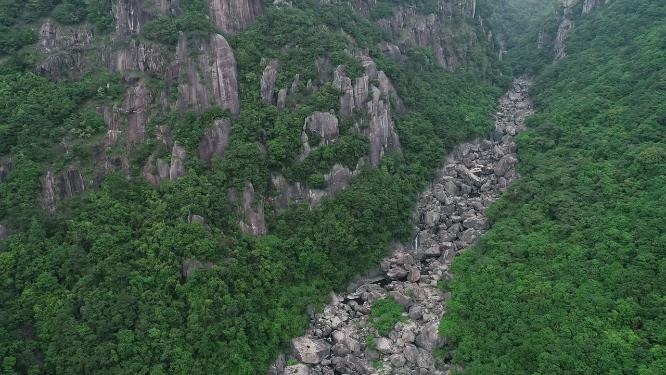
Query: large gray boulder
{"type": "Point", "coordinates": [504, 165]}
{"type": "Point", "coordinates": [429, 338]}
{"type": "Point", "coordinates": [308, 350]}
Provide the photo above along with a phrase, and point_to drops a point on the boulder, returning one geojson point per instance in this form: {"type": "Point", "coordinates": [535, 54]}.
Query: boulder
{"type": "Point", "coordinates": [396, 273]}
{"type": "Point", "coordinates": [476, 222]}
{"type": "Point", "coordinates": [431, 218]}
{"type": "Point", "coordinates": [411, 353]}
{"type": "Point", "coordinates": [299, 369]}
{"type": "Point", "coordinates": [429, 338]}
{"type": "Point", "coordinates": [504, 165]}
{"type": "Point", "coordinates": [397, 360]}
{"type": "Point", "coordinates": [384, 345]}
{"type": "Point", "coordinates": [311, 351]}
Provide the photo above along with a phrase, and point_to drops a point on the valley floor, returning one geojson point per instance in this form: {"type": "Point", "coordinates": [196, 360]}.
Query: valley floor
{"type": "Point", "coordinates": [344, 338]}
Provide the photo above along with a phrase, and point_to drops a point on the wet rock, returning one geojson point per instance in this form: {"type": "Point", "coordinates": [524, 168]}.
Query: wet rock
{"type": "Point", "coordinates": [225, 82]}
{"type": "Point", "coordinates": [55, 188]}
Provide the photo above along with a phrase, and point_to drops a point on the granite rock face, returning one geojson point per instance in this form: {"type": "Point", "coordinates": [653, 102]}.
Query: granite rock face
{"type": "Point", "coordinates": [567, 25]}
{"type": "Point", "coordinates": [253, 212]}
{"type": "Point", "coordinates": [57, 187]}
{"type": "Point", "coordinates": [374, 102]}
{"type": "Point", "coordinates": [320, 125]}
{"type": "Point", "coordinates": [215, 141]}
{"type": "Point", "coordinates": [450, 217]}
{"type": "Point", "coordinates": [411, 28]}
{"type": "Point", "coordinates": [233, 16]}
{"type": "Point", "coordinates": [268, 79]}
{"type": "Point", "coordinates": [64, 47]}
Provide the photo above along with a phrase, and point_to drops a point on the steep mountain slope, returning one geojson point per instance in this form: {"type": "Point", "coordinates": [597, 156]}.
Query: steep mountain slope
{"type": "Point", "coordinates": [571, 277]}
{"type": "Point", "coordinates": [166, 168]}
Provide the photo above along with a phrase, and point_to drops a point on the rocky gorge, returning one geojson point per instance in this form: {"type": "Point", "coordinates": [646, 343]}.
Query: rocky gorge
{"type": "Point", "coordinates": [450, 218]}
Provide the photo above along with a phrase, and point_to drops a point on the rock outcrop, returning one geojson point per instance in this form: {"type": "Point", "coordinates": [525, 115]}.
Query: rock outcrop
{"type": "Point", "coordinates": [268, 79]}
{"type": "Point", "coordinates": [374, 102]}
{"type": "Point", "coordinates": [211, 77]}
{"type": "Point", "coordinates": [567, 25]}
{"type": "Point", "coordinates": [136, 101]}
{"type": "Point", "coordinates": [450, 218]}
{"type": "Point", "coordinates": [233, 16]}
{"type": "Point", "coordinates": [253, 218]}
{"type": "Point", "coordinates": [589, 5]}
{"type": "Point", "coordinates": [56, 188]}
{"type": "Point", "coordinates": [337, 179]}
{"type": "Point", "coordinates": [190, 265]}
{"type": "Point", "coordinates": [177, 168]}
{"type": "Point", "coordinates": [215, 141]}
{"type": "Point", "coordinates": [65, 48]}
{"type": "Point", "coordinates": [324, 126]}
{"type": "Point", "coordinates": [410, 28]}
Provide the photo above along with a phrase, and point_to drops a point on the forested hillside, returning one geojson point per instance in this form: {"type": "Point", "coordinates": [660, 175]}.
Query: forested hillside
{"type": "Point", "coordinates": [572, 276]}
{"type": "Point", "coordinates": [182, 181]}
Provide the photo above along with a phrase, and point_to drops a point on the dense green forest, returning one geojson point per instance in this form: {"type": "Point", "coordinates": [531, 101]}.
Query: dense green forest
{"type": "Point", "coordinates": [572, 277]}
{"type": "Point", "coordinates": [96, 286]}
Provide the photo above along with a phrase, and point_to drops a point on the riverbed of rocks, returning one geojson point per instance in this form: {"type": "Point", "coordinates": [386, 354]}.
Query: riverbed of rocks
{"type": "Point", "coordinates": [450, 218]}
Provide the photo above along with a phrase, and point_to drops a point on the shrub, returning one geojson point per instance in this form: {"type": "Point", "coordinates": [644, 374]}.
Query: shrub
{"type": "Point", "coordinates": [385, 314]}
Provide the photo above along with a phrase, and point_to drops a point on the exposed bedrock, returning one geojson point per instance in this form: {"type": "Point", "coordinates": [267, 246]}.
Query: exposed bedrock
{"type": "Point", "coordinates": [450, 217]}
{"type": "Point", "coordinates": [209, 79]}
{"type": "Point", "coordinates": [215, 141]}
{"type": "Point", "coordinates": [233, 16]}
{"type": "Point", "coordinates": [57, 187]}
{"type": "Point", "coordinates": [268, 79]}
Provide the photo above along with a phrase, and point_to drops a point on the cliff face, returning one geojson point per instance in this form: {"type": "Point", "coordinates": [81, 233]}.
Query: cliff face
{"type": "Point", "coordinates": [567, 24]}
{"type": "Point", "coordinates": [199, 72]}
{"type": "Point", "coordinates": [411, 28]}
{"type": "Point", "coordinates": [233, 16]}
